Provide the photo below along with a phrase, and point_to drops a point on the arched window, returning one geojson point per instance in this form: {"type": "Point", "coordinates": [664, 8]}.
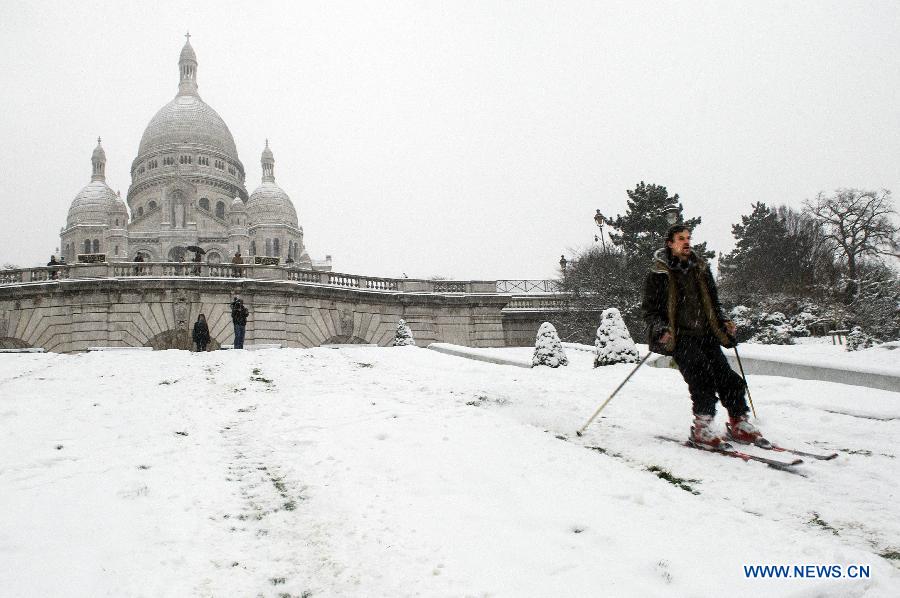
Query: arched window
{"type": "Point", "coordinates": [141, 211]}
{"type": "Point", "coordinates": [268, 247]}
{"type": "Point", "coordinates": [117, 222]}
{"type": "Point", "coordinates": [204, 204]}
{"type": "Point", "coordinates": [151, 206]}
{"type": "Point", "coordinates": [96, 245]}
{"type": "Point", "coordinates": [117, 250]}
{"type": "Point", "coordinates": [252, 247]}
{"type": "Point", "coordinates": [276, 248]}
{"type": "Point", "coordinates": [87, 245]}
{"type": "Point", "coordinates": [220, 209]}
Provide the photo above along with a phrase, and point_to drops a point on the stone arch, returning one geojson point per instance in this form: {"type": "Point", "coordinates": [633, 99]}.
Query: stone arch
{"type": "Point", "coordinates": [148, 254]}
{"type": "Point", "coordinates": [175, 338]}
{"type": "Point", "coordinates": [8, 342]}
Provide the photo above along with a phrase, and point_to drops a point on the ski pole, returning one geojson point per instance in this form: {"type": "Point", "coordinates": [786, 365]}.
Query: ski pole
{"type": "Point", "coordinates": [599, 409]}
{"type": "Point", "coordinates": [741, 366]}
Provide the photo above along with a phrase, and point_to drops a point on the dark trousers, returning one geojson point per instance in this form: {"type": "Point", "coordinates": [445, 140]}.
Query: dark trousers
{"type": "Point", "coordinates": [201, 345]}
{"type": "Point", "coordinates": [707, 373]}
{"type": "Point", "coordinates": [239, 330]}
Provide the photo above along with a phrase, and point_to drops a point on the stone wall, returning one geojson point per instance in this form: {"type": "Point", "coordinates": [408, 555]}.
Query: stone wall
{"type": "Point", "coordinates": [72, 314]}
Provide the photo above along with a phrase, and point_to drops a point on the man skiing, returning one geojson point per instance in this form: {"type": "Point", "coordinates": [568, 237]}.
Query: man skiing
{"type": "Point", "coordinates": [685, 320]}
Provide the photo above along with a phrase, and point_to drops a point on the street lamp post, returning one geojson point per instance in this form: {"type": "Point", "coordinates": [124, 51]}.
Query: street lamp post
{"type": "Point", "coordinates": [600, 220]}
{"type": "Point", "coordinates": [671, 214]}
{"type": "Point", "coordinates": [562, 262]}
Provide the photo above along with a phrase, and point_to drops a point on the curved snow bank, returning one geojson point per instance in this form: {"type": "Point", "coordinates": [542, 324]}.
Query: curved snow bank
{"type": "Point", "coordinates": [758, 360]}
{"type": "Point", "coordinates": [478, 354]}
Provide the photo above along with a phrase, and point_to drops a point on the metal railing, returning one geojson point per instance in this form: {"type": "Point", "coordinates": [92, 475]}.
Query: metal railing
{"type": "Point", "coordinates": [528, 287]}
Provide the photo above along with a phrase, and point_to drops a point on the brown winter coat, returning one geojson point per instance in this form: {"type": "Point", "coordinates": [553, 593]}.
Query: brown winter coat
{"type": "Point", "coordinates": [661, 300]}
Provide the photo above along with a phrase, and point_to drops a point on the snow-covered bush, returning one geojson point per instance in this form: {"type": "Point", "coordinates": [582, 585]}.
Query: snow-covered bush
{"type": "Point", "coordinates": [858, 339]}
{"type": "Point", "coordinates": [747, 324]}
{"type": "Point", "coordinates": [403, 336]}
{"type": "Point", "coordinates": [774, 335]}
{"type": "Point", "coordinates": [547, 348]}
{"type": "Point", "coordinates": [613, 343]}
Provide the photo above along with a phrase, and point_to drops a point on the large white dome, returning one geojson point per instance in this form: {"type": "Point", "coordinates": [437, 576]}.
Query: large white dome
{"type": "Point", "coordinates": [187, 120]}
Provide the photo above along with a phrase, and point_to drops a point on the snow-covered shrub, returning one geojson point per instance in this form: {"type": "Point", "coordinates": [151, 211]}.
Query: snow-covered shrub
{"type": "Point", "coordinates": [403, 336]}
{"type": "Point", "coordinates": [747, 324]}
{"type": "Point", "coordinates": [858, 339]}
{"type": "Point", "coordinates": [774, 334]}
{"type": "Point", "coordinates": [547, 348]}
{"type": "Point", "coordinates": [613, 343]}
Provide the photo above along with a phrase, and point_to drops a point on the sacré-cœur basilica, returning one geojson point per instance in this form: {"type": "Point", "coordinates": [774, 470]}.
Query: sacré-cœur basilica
{"type": "Point", "coordinates": [187, 190]}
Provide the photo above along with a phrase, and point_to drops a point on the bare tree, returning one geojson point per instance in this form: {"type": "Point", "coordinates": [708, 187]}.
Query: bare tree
{"type": "Point", "coordinates": [860, 224]}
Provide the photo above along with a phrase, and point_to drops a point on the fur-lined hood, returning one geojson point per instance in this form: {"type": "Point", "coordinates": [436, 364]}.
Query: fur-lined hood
{"type": "Point", "coordinates": [664, 262]}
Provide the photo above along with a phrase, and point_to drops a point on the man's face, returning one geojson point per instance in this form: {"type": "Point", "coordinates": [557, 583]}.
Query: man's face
{"type": "Point", "coordinates": [681, 244]}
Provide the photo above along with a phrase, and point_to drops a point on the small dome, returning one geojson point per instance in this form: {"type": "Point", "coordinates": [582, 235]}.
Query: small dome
{"type": "Point", "coordinates": [237, 205]}
{"type": "Point", "coordinates": [118, 205]}
{"type": "Point", "coordinates": [270, 205]}
{"type": "Point", "coordinates": [92, 205]}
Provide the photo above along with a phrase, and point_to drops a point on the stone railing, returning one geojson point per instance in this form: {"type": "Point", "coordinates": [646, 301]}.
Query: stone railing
{"type": "Point", "coordinates": [39, 274]}
{"type": "Point", "coordinates": [536, 303]}
{"type": "Point", "coordinates": [246, 271]}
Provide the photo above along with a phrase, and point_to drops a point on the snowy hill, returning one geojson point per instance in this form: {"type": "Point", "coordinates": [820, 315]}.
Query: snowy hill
{"type": "Point", "coordinates": [405, 472]}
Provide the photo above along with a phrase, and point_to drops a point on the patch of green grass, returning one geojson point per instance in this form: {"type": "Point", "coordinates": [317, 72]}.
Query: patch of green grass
{"type": "Point", "coordinates": [277, 581]}
{"type": "Point", "coordinates": [603, 451]}
{"type": "Point", "coordinates": [816, 520]}
{"type": "Point", "coordinates": [290, 505]}
{"type": "Point", "coordinates": [891, 555]}
{"type": "Point", "coordinates": [666, 475]}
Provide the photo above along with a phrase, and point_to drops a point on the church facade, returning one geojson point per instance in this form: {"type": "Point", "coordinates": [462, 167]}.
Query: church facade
{"type": "Point", "coordinates": [187, 190]}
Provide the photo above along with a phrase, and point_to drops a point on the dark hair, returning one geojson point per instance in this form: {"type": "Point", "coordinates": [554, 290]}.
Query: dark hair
{"type": "Point", "coordinates": [675, 229]}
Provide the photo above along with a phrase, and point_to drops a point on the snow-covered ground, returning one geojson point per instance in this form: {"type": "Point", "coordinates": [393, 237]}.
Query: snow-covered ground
{"type": "Point", "coordinates": [405, 472]}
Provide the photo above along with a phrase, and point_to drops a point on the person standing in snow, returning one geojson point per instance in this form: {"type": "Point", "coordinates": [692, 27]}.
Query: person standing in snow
{"type": "Point", "coordinates": [685, 320]}
{"type": "Point", "coordinates": [239, 315]}
{"type": "Point", "coordinates": [201, 333]}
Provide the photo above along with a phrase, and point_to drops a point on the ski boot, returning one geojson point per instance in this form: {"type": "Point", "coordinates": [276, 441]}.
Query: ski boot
{"type": "Point", "coordinates": [702, 435]}
{"type": "Point", "coordinates": [741, 430]}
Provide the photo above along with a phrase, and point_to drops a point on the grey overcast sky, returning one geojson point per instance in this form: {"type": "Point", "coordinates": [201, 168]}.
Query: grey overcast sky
{"type": "Point", "coordinates": [469, 139]}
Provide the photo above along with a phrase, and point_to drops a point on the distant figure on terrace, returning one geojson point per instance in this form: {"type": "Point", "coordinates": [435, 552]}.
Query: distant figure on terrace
{"type": "Point", "coordinates": [138, 269]}
{"type": "Point", "coordinates": [237, 260]}
{"type": "Point", "coordinates": [198, 259]}
{"type": "Point", "coordinates": [53, 262]}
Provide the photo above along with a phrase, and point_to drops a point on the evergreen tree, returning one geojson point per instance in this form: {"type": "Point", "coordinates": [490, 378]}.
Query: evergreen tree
{"type": "Point", "coordinates": [614, 344]}
{"type": "Point", "coordinates": [642, 229]}
{"type": "Point", "coordinates": [403, 336]}
{"type": "Point", "coordinates": [548, 348]}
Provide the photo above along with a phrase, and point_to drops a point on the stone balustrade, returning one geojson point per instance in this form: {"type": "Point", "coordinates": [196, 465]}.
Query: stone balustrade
{"type": "Point", "coordinates": [263, 272]}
